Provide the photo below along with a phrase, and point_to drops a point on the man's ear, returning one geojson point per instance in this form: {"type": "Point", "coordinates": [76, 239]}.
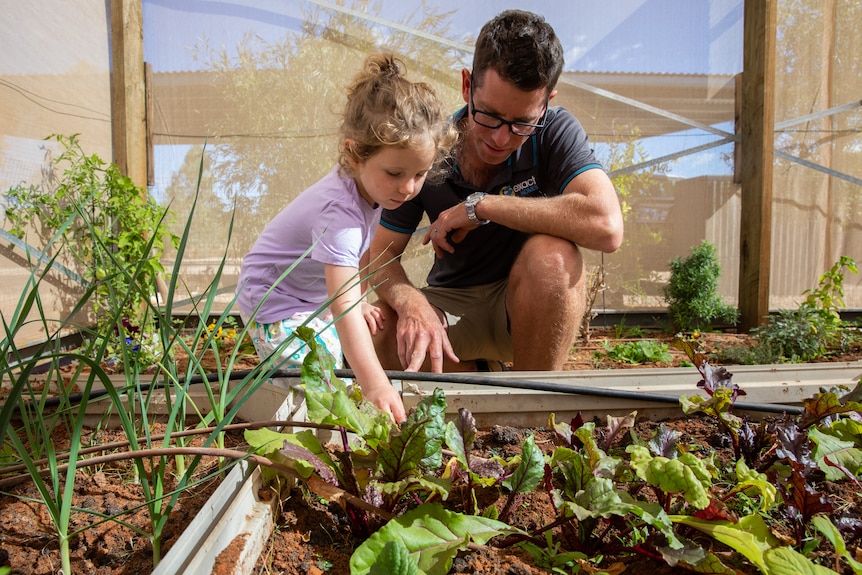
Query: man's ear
{"type": "Point", "coordinates": [466, 78]}
{"type": "Point", "coordinates": [552, 94]}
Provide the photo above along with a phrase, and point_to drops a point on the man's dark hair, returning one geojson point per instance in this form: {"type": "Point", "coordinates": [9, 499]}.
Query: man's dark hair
{"type": "Point", "coordinates": [522, 48]}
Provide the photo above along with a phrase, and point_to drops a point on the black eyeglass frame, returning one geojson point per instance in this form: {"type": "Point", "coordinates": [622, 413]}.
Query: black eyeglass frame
{"type": "Point", "coordinates": [500, 121]}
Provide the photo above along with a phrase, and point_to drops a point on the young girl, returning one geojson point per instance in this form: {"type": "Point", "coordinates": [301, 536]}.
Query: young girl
{"type": "Point", "coordinates": [393, 134]}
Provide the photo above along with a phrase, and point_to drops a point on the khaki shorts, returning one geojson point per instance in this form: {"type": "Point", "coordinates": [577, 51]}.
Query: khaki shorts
{"type": "Point", "coordinates": [478, 323]}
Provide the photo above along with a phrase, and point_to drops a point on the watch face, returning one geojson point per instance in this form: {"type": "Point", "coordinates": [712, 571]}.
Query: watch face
{"type": "Point", "coordinates": [470, 204]}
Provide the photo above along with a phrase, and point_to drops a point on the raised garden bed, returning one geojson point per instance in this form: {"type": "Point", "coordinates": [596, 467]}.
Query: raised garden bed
{"type": "Point", "coordinates": [310, 537]}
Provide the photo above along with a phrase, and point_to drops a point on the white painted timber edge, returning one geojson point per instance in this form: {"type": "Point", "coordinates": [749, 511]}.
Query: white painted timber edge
{"type": "Point", "coordinates": [238, 513]}
{"type": "Point", "coordinates": [233, 511]}
{"type": "Point", "coordinates": [491, 405]}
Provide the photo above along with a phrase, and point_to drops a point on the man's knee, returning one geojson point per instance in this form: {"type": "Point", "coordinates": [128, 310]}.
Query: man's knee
{"type": "Point", "coordinates": [548, 260]}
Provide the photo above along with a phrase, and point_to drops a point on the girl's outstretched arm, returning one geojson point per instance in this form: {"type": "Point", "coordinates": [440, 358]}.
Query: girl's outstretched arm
{"type": "Point", "coordinates": [353, 332]}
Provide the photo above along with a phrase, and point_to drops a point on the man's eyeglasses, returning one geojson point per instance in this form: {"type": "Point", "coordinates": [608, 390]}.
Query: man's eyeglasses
{"type": "Point", "coordinates": [493, 122]}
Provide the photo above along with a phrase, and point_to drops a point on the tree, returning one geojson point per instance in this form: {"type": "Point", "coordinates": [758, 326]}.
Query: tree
{"type": "Point", "coordinates": [278, 135]}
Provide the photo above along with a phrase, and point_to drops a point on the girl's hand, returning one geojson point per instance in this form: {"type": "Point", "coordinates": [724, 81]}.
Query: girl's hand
{"type": "Point", "coordinates": [384, 396]}
{"type": "Point", "coordinates": [372, 316]}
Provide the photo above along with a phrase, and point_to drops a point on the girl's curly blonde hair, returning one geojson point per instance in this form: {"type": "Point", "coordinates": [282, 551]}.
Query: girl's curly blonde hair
{"type": "Point", "coordinates": [385, 109]}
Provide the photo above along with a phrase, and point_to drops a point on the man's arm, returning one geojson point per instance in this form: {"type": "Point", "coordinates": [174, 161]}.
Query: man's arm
{"type": "Point", "coordinates": [419, 329]}
{"type": "Point", "coordinates": [587, 214]}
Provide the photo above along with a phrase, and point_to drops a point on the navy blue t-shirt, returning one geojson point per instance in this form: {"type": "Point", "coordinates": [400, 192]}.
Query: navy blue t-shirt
{"type": "Point", "coordinates": [543, 166]}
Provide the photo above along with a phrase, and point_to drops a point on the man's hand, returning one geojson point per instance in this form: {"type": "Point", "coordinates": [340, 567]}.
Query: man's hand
{"type": "Point", "coordinates": [422, 332]}
{"type": "Point", "coordinates": [453, 220]}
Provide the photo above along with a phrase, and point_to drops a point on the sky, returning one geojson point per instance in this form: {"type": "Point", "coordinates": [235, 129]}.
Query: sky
{"type": "Point", "coordinates": [646, 36]}
{"type": "Point", "coordinates": [640, 36]}
{"type": "Point", "coordinates": [666, 36]}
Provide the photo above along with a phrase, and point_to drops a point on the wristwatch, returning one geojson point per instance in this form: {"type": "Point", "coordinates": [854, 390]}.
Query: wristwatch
{"type": "Point", "coordinates": [470, 204]}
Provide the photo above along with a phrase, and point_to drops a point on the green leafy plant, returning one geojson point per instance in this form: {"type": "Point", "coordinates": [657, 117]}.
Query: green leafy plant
{"type": "Point", "coordinates": [396, 467]}
{"type": "Point", "coordinates": [113, 234]}
{"type": "Point", "coordinates": [828, 296]}
{"type": "Point", "coordinates": [637, 352]}
{"type": "Point", "coordinates": [815, 328]}
{"type": "Point", "coordinates": [793, 335]}
{"type": "Point", "coordinates": [40, 411]}
{"type": "Point", "coordinates": [550, 557]}
{"type": "Point", "coordinates": [691, 292]}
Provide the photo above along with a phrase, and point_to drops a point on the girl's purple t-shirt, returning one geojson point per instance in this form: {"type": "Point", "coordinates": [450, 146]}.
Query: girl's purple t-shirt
{"type": "Point", "coordinates": [331, 213]}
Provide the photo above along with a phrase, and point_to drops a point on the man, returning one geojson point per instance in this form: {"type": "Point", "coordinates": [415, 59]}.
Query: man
{"type": "Point", "coordinates": [524, 196]}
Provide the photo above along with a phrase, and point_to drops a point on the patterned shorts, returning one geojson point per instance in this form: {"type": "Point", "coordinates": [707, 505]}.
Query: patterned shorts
{"type": "Point", "coordinates": [269, 337]}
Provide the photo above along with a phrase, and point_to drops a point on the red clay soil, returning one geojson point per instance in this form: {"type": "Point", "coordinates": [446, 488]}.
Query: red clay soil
{"type": "Point", "coordinates": [312, 538]}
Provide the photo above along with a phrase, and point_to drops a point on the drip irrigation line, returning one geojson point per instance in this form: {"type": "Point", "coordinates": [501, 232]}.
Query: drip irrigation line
{"type": "Point", "coordinates": [463, 379]}
{"type": "Point", "coordinates": [576, 390]}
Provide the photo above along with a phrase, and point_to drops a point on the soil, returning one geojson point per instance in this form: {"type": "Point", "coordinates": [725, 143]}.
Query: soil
{"type": "Point", "coordinates": [312, 538]}
{"type": "Point", "coordinates": [28, 542]}
{"type": "Point", "coordinates": [591, 354]}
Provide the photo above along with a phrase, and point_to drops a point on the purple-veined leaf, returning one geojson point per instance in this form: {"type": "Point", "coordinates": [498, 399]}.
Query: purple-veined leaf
{"type": "Point", "coordinates": [400, 458]}
{"type": "Point", "coordinates": [794, 445]}
{"type": "Point", "coordinates": [823, 405]}
{"type": "Point", "coordinates": [665, 442]}
{"type": "Point", "coordinates": [290, 452]}
{"type": "Point", "coordinates": [574, 468]}
{"type": "Point", "coordinates": [837, 458]}
{"type": "Point", "coordinates": [304, 452]}
{"type": "Point", "coordinates": [459, 436]}
{"type": "Point", "coordinates": [715, 378]}
{"type": "Point", "coordinates": [615, 427]}
{"type": "Point", "coordinates": [566, 431]}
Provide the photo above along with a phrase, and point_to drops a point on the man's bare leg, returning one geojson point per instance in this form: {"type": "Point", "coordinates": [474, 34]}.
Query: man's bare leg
{"type": "Point", "coordinates": [545, 302]}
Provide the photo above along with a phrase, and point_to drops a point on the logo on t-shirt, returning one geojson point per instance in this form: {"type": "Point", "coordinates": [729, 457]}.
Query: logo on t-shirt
{"type": "Point", "coordinates": [525, 188]}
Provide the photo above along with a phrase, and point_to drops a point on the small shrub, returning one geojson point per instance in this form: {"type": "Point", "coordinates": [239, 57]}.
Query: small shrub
{"type": "Point", "coordinates": [693, 303]}
{"type": "Point", "coordinates": [814, 329]}
{"type": "Point", "coordinates": [759, 353]}
{"type": "Point", "coordinates": [794, 335]}
{"type": "Point", "coordinates": [637, 352]}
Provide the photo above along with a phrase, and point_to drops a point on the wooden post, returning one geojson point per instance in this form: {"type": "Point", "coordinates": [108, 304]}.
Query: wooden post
{"type": "Point", "coordinates": [150, 114]}
{"type": "Point", "coordinates": [128, 103]}
{"type": "Point", "coordinates": [757, 141]}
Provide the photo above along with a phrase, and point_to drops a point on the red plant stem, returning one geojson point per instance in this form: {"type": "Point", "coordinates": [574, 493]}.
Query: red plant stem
{"type": "Point", "coordinates": [319, 486]}
{"type": "Point", "coordinates": [511, 540]}
{"type": "Point", "coordinates": [114, 445]}
{"type": "Point", "coordinates": [640, 550]}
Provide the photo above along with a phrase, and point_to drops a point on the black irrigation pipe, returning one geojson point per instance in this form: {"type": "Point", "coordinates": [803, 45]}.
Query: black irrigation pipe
{"type": "Point", "coordinates": [576, 390]}
{"type": "Point", "coordinates": [468, 379]}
